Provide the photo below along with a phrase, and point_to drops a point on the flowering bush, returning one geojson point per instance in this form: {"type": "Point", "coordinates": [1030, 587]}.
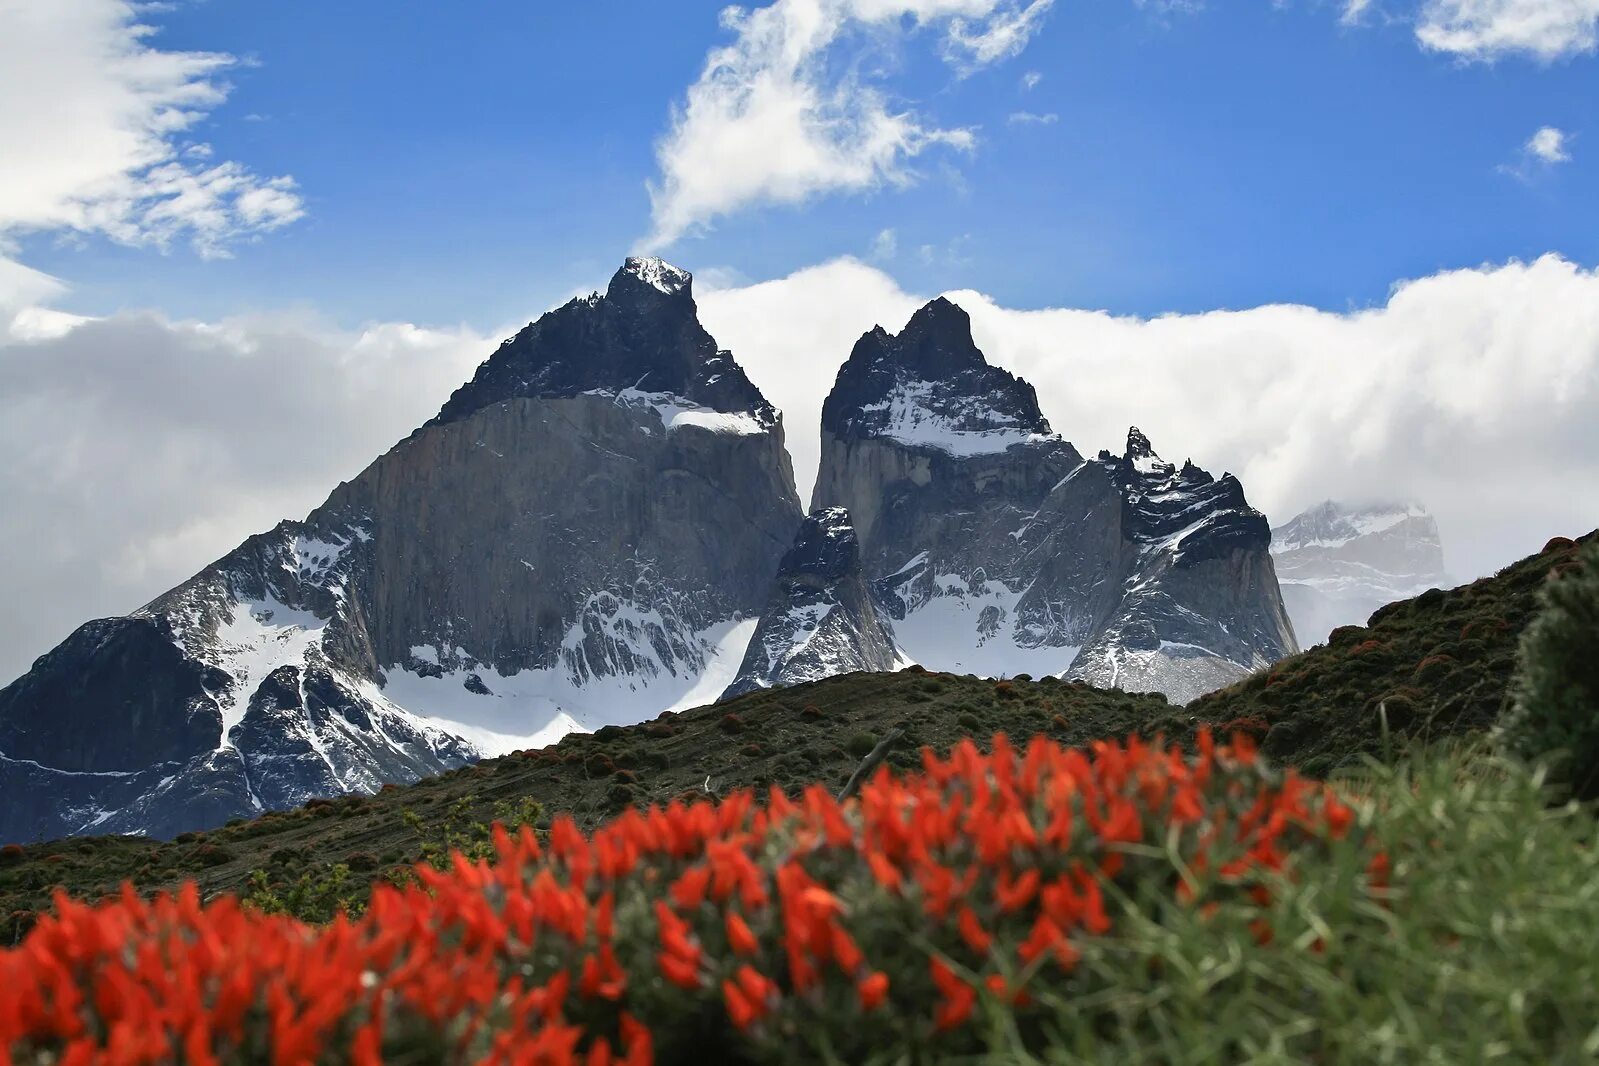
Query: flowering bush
{"type": "Point", "coordinates": [984, 891]}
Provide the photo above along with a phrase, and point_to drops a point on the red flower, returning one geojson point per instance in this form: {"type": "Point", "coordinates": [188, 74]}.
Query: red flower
{"type": "Point", "coordinates": [873, 990]}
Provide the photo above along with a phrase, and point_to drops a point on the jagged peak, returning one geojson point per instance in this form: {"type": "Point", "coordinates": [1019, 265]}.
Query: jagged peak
{"type": "Point", "coordinates": [931, 386]}
{"type": "Point", "coordinates": [1138, 446]}
{"type": "Point", "coordinates": [643, 335]}
{"type": "Point", "coordinates": [825, 546]}
{"type": "Point", "coordinates": [653, 272]}
{"type": "Point", "coordinates": [937, 341]}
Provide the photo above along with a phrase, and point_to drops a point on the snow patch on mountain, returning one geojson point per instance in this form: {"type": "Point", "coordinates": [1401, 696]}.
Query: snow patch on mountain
{"type": "Point", "coordinates": [498, 712]}
{"type": "Point", "coordinates": [675, 412]}
{"type": "Point", "coordinates": [261, 636]}
{"type": "Point", "coordinates": [657, 273]}
{"type": "Point", "coordinates": [966, 625]}
{"type": "Point", "coordinates": [917, 413]}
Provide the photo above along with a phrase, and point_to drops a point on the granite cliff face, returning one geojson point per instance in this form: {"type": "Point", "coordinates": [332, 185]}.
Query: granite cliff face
{"type": "Point", "coordinates": [1339, 563]}
{"type": "Point", "coordinates": [820, 618]}
{"type": "Point", "coordinates": [581, 536]}
{"type": "Point", "coordinates": [995, 548]}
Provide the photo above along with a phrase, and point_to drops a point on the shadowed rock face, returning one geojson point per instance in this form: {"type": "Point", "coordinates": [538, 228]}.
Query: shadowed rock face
{"type": "Point", "coordinates": [995, 548]}
{"type": "Point", "coordinates": [820, 619]}
{"type": "Point", "coordinates": [1339, 563]}
{"type": "Point", "coordinates": [564, 545]}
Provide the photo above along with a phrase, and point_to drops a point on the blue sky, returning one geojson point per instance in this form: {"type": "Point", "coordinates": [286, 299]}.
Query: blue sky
{"type": "Point", "coordinates": [477, 161]}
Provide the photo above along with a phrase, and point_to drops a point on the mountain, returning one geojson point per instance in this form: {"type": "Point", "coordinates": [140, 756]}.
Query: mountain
{"type": "Point", "coordinates": [996, 549]}
{"type": "Point", "coordinates": [1338, 563]}
{"type": "Point", "coordinates": [1317, 710]}
{"type": "Point", "coordinates": [581, 536]}
{"type": "Point", "coordinates": [819, 619]}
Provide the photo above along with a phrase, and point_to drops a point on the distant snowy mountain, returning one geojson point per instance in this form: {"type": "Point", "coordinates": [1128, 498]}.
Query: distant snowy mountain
{"type": "Point", "coordinates": [995, 548]}
{"type": "Point", "coordinates": [1339, 563]}
{"type": "Point", "coordinates": [583, 535]}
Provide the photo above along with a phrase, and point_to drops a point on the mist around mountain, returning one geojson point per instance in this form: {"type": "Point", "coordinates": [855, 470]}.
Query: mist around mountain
{"type": "Point", "coordinates": [1338, 562]}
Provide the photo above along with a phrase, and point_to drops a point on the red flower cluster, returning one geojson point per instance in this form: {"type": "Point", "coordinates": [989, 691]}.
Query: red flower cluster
{"type": "Point", "coordinates": [981, 876]}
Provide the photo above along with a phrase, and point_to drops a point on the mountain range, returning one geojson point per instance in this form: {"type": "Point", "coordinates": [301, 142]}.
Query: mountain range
{"type": "Point", "coordinates": [603, 525]}
{"type": "Point", "coordinates": [1337, 563]}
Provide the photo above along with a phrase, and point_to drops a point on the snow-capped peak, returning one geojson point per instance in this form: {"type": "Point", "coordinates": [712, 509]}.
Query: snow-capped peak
{"type": "Point", "coordinates": [1331, 523]}
{"type": "Point", "coordinates": [1141, 454]}
{"type": "Point", "coordinates": [657, 273]}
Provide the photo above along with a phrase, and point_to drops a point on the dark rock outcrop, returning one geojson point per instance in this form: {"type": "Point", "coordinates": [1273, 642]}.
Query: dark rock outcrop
{"type": "Point", "coordinates": [820, 619]}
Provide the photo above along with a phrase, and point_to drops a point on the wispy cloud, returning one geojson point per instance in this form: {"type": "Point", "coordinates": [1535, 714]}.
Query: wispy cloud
{"type": "Point", "coordinates": [789, 110]}
{"type": "Point", "coordinates": [885, 245]}
{"type": "Point", "coordinates": [95, 134]}
{"type": "Point", "coordinates": [1031, 118]}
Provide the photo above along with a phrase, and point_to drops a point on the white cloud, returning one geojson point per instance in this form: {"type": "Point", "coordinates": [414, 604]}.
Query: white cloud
{"type": "Point", "coordinates": [1031, 79]}
{"type": "Point", "coordinates": [1489, 29]}
{"type": "Point", "coordinates": [1031, 118]}
{"type": "Point", "coordinates": [94, 134]}
{"type": "Point", "coordinates": [885, 245]}
{"type": "Point", "coordinates": [135, 449]}
{"type": "Point", "coordinates": [1354, 11]}
{"type": "Point", "coordinates": [1472, 390]}
{"type": "Point", "coordinates": [791, 109]}
{"type": "Point", "coordinates": [1004, 34]}
{"type": "Point", "coordinates": [1549, 145]}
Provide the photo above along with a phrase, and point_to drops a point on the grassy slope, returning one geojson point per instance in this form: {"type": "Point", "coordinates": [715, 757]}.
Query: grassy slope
{"type": "Point", "coordinates": [1436, 666]}
{"type": "Point", "coordinates": [1440, 663]}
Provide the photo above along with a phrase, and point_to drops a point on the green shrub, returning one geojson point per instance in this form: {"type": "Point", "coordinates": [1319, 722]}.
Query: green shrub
{"type": "Point", "coordinates": [861, 744]}
{"type": "Point", "coordinates": [1554, 713]}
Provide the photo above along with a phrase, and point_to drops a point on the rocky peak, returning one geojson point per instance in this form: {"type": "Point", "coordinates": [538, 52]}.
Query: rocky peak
{"type": "Point", "coordinates": [1196, 515]}
{"type": "Point", "coordinates": [648, 272]}
{"type": "Point", "coordinates": [930, 386]}
{"type": "Point", "coordinates": [825, 550]}
{"type": "Point", "coordinates": [820, 618]}
{"type": "Point", "coordinates": [643, 335]}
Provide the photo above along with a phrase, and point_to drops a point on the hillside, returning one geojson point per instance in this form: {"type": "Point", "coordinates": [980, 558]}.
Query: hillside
{"type": "Point", "coordinates": [1436, 666]}
{"type": "Point", "coordinates": [1440, 663]}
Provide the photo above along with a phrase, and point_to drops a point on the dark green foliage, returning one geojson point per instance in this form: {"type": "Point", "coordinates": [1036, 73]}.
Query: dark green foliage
{"type": "Point", "coordinates": [861, 744]}
{"type": "Point", "coordinates": [1432, 668]}
{"type": "Point", "coordinates": [1555, 710]}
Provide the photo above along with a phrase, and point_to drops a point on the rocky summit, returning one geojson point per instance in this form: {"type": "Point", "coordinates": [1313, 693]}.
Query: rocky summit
{"type": "Point", "coordinates": [994, 548]}
{"type": "Point", "coordinates": [573, 541]}
{"type": "Point", "coordinates": [1339, 562]}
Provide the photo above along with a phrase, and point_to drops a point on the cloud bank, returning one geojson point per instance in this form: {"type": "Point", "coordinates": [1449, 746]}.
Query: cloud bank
{"type": "Point", "coordinates": [1473, 391]}
{"type": "Point", "coordinates": [135, 449]}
